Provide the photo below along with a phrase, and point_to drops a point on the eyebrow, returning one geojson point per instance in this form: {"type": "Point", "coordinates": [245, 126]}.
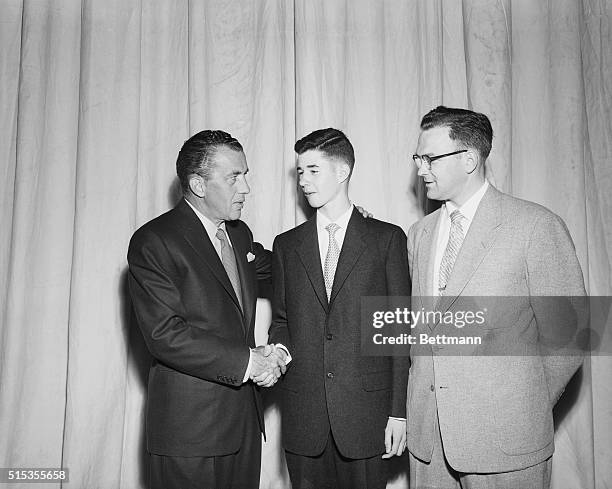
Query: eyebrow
{"type": "Point", "coordinates": [312, 165]}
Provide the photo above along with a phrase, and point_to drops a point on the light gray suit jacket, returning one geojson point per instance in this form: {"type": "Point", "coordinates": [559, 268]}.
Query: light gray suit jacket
{"type": "Point", "coordinates": [495, 404]}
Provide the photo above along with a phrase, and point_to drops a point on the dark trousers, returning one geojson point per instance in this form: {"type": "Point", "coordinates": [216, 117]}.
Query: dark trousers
{"type": "Point", "coordinates": [238, 470]}
{"type": "Point", "coordinates": [331, 470]}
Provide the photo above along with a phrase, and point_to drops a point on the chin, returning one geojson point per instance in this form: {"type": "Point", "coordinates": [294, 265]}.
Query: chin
{"type": "Point", "coordinates": [433, 195]}
{"type": "Point", "coordinates": [315, 203]}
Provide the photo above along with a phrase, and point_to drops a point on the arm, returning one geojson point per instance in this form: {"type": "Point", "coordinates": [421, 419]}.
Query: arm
{"type": "Point", "coordinates": [410, 242]}
{"type": "Point", "coordinates": [398, 284]}
{"type": "Point", "coordinates": [279, 332]}
{"type": "Point", "coordinates": [263, 267]}
{"type": "Point", "coordinates": [274, 353]}
{"type": "Point", "coordinates": [556, 289]}
{"type": "Point", "coordinates": [162, 317]}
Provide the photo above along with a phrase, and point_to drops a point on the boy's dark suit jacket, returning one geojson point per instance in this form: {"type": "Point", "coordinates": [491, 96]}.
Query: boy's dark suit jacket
{"type": "Point", "coordinates": [199, 337]}
{"type": "Point", "coordinates": [329, 384]}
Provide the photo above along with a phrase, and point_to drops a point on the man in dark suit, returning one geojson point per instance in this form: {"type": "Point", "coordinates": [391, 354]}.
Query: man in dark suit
{"type": "Point", "coordinates": [193, 275]}
{"type": "Point", "coordinates": [340, 410]}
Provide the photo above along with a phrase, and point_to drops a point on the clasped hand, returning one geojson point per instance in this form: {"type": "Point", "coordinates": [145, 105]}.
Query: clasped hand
{"type": "Point", "coordinates": [267, 365]}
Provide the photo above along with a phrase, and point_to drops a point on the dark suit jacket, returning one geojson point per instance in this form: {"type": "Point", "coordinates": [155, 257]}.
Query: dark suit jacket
{"type": "Point", "coordinates": [329, 384]}
{"type": "Point", "coordinates": [199, 337]}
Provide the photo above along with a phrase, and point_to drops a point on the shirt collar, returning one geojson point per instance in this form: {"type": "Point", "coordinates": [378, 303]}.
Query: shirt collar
{"type": "Point", "coordinates": [468, 209]}
{"type": "Point", "coordinates": [209, 226]}
{"type": "Point", "coordinates": [342, 220]}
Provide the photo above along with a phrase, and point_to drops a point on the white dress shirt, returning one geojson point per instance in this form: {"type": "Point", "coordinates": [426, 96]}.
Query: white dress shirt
{"type": "Point", "coordinates": [468, 210]}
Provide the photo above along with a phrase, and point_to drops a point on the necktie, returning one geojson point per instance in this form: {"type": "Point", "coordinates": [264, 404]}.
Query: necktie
{"type": "Point", "coordinates": [455, 240]}
{"type": "Point", "coordinates": [331, 259]}
{"type": "Point", "coordinates": [229, 262]}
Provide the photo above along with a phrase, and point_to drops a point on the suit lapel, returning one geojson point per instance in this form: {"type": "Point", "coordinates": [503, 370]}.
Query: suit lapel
{"type": "Point", "coordinates": [308, 252]}
{"type": "Point", "coordinates": [353, 246]}
{"type": "Point", "coordinates": [477, 243]}
{"type": "Point", "coordinates": [425, 257]}
{"type": "Point", "coordinates": [195, 234]}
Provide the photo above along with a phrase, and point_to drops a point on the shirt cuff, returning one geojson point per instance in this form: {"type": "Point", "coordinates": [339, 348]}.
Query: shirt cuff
{"type": "Point", "coordinates": [284, 348]}
{"type": "Point", "coordinates": [399, 419]}
{"type": "Point", "coordinates": [247, 374]}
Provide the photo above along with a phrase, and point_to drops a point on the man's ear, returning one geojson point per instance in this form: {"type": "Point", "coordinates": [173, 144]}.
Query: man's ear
{"type": "Point", "coordinates": [343, 171]}
{"type": "Point", "coordinates": [471, 161]}
{"type": "Point", "coordinates": [197, 185]}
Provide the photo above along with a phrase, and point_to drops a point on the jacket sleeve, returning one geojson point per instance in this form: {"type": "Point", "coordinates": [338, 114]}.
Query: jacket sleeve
{"type": "Point", "coordinates": [398, 285]}
{"type": "Point", "coordinates": [279, 332]}
{"type": "Point", "coordinates": [162, 317]}
{"type": "Point", "coordinates": [411, 243]}
{"type": "Point", "coordinates": [263, 266]}
{"type": "Point", "coordinates": [556, 290]}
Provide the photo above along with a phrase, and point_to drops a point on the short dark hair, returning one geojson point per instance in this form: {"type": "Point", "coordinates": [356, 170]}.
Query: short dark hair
{"type": "Point", "coordinates": [197, 154]}
{"type": "Point", "coordinates": [470, 128]}
{"type": "Point", "coordinates": [333, 143]}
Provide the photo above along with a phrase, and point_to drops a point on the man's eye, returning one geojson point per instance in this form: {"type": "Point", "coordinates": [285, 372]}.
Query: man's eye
{"type": "Point", "coordinates": [314, 171]}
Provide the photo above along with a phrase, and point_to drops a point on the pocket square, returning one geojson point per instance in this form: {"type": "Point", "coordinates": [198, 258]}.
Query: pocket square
{"type": "Point", "coordinates": [250, 257]}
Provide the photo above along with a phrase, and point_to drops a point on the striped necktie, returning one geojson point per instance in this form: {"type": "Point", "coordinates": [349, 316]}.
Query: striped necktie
{"type": "Point", "coordinates": [331, 259]}
{"type": "Point", "coordinates": [229, 263]}
{"type": "Point", "coordinates": [455, 240]}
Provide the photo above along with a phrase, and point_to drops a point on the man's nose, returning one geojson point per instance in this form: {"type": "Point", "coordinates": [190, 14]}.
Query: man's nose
{"type": "Point", "coordinates": [423, 170]}
{"type": "Point", "coordinates": [244, 188]}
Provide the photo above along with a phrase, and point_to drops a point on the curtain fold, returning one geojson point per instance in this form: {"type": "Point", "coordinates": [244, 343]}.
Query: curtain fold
{"type": "Point", "coordinates": [97, 97]}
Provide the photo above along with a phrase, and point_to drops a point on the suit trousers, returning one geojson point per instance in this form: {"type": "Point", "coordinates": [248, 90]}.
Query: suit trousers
{"type": "Point", "coordinates": [331, 470]}
{"type": "Point", "coordinates": [238, 470]}
{"type": "Point", "coordinates": [438, 474]}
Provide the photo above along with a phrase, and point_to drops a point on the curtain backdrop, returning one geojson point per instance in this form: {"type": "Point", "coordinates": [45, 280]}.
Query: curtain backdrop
{"type": "Point", "coordinates": [97, 96]}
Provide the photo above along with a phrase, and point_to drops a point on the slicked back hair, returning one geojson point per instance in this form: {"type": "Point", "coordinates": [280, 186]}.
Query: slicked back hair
{"type": "Point", "coordinates": [472, 129]}
{"type": "Point", "coordinates": [197, 154]}
{"type": "Point", "coordinates": [333, 143]}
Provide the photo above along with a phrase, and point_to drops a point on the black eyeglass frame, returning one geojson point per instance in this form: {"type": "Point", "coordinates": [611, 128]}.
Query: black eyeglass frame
{"type": "Point", "coordinates": [428, 160]}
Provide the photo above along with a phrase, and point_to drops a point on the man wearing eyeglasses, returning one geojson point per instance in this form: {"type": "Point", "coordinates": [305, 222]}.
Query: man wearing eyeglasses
{"type": "Point", "coordinates": [484, 419]}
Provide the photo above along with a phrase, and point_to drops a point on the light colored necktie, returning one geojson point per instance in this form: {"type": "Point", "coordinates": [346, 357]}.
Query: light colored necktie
{"type": "Point", "coordinates": [229, 263]}
{"type": "Point", "coordinates": [331, 259]}
{"type": "Point", "coordinates": [455, 240]}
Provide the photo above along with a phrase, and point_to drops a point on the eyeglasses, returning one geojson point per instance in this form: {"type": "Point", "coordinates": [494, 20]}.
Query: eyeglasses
{"type": "Point", "coordinates": [427, 160]}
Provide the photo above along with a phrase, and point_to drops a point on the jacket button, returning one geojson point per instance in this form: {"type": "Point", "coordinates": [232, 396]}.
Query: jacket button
{"type": "Point", "coordinates": [330, 336]}
{"type": "Point", "coordinates": [330, 375]}
{"type": "Point", "coordinates": [432, 388]}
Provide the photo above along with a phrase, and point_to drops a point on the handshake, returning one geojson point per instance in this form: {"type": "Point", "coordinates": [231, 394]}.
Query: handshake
{"type": "Point", "coordinates": [268, 363]}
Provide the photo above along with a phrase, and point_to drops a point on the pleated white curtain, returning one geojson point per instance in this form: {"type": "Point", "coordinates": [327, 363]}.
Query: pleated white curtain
{"type": "Point", "coordinates": [97, 96]}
